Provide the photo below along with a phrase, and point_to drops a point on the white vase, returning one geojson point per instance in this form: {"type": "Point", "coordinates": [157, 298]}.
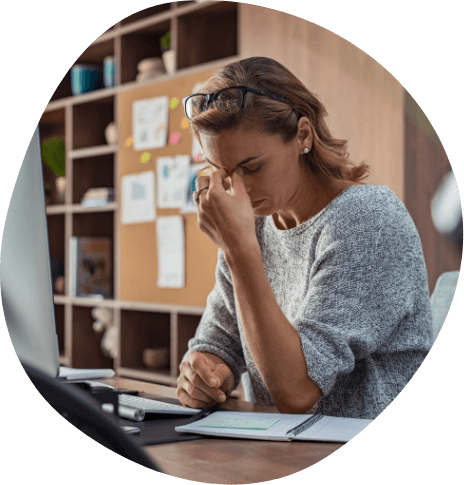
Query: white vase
{"type": "Point", "coordinates": [60, 194]}
{"type": "Point", "coordinates": [169, 59]}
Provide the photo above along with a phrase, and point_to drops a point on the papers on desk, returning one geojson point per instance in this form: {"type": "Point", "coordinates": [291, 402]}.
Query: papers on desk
{"type": "Point", "coordinates": [171, 252]}
{"type": "Point", "coordinates": [277, 427]}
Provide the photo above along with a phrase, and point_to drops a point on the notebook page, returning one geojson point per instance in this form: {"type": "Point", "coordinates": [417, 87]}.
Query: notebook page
{"type": "Point", "coordinates": [334, 429]}
{"type": "Point", "coordinates": [225, 423]}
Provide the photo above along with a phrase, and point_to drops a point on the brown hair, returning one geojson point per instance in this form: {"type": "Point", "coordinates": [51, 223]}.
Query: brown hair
{"type": "Point", "coordinates": [328, 156]}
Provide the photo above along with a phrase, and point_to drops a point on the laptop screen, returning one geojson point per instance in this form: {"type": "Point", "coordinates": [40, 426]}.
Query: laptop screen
{"type": "Point", "coordinates": [26, 280]}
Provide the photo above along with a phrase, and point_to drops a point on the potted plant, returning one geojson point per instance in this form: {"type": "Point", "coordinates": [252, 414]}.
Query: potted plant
{"type": "Point", "coordinates": [54, 156]}
{"type": "Point", "coordinates": [168, 54]}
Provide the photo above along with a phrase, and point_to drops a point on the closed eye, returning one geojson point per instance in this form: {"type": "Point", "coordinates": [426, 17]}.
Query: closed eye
{"type": "Point", "coordinates": [251, 172]}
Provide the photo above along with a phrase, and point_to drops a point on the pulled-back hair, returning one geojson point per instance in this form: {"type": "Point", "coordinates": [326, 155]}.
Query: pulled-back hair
{"type": "Point", "coordinates": [328, 156]}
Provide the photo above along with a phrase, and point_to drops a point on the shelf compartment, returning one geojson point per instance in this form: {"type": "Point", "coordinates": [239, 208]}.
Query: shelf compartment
{"type": "Point", "coordinates": [86, 343]}
{"type": "Point", "coordinates": [63, 89]}
{"type": "Point", "coordinates": [148, 12]}
{"type": "Point", "coordinates": [93, 224]}
{"type": "Point", "coordinates": [140, 45]}
{"type": "Point", "coordinates": [92, 172]}
{"type": "Point", "coordinates": [139, 331]}
{"type": "Point", "coordinates": [159, 377]}
{"type": "Point", "coordinates": [59, 324]}
{"type": "Point", "coordinates": [96, 52]}
{"type": "Point", "coordinates": [56, 241]}
{"type": "Point", "coordinates": [216, 21]}
{"type": "Point", "coordinates": [184, 329]}
{"type": "Point", "coordinates": [95, 116]}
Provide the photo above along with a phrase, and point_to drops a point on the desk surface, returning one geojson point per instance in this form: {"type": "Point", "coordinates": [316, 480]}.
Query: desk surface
{"type": "Point", "coordinates": [228, 460]}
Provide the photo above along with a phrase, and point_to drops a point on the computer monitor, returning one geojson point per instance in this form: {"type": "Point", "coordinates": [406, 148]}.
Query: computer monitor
{"type": "Point", "coordinates": [26, 280]}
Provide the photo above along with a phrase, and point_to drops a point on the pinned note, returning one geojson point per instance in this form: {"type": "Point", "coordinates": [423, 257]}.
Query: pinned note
{"type": "Point", "coordinates": [172, 179]}
{"type": "Point", "coordinates": [150, 123]}
{"type": "Point", "coordinates": [138, 198]}
{"type": "Point", "coordinates": [171, 252]}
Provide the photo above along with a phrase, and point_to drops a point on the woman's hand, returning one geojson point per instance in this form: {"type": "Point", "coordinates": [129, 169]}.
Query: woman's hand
{"type": "Point", "coordinates": [204, 381]}
{"type": "Point", "coordinates": [225, 213]}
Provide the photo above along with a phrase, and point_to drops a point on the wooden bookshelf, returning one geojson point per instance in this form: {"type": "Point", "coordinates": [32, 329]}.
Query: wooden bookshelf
{"type": "Point", "coordinates": [205, 36]}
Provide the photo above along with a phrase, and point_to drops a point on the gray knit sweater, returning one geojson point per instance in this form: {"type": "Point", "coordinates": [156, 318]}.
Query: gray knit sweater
{"type": "Point", "coordinates": [352, 281]}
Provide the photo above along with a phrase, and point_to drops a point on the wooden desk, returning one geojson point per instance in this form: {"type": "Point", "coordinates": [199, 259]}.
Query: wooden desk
{"type": "Point", "coordinates": [228, 460]}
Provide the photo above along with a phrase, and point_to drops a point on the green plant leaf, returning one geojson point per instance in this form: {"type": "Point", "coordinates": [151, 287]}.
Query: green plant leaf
{"type": "Point", "coordinates": [54, 155]}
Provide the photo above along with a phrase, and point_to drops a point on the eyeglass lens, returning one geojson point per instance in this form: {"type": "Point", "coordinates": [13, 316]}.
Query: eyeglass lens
{"type": "Point", "coordinates": [228, 100]}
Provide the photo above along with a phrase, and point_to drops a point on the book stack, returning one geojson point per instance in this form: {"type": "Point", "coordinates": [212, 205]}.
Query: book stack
{"type": "Point", "coordinates": [91, 267]}
{"type": "Point", "coordinates": [98, 197]}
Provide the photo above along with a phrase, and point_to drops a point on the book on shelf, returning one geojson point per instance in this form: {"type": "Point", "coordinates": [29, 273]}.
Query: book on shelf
{"type": "Point", "coordinates": [91, 267]}
{"type": "Point", "coordinates": [97, 197]}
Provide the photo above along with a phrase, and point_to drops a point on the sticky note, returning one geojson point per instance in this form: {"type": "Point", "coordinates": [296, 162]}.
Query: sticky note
{"type": "Point", "coordinates": [185, 123]}
{"type": "Point", "coordinates": [175, 138]}
{"type": "Point", "coordinates": [256, 424]}
{"type": "Point", "coordinates": [174, 103]}
{"type": "Point", "coordinates": [145, 157]}
{"type": "Point", "coordinates": [129, 141]}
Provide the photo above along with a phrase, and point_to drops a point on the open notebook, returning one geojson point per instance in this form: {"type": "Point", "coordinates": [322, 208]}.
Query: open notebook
{"type": "Point", "coordinates": [278, 427]}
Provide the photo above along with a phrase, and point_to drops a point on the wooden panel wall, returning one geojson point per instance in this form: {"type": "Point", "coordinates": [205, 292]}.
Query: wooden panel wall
{"type": "Point", "coordinates": [426, 164]}
{"type": "Point", "coordinates": [364, 102]}
{"type": "Point", "coordinates": [138, 245]}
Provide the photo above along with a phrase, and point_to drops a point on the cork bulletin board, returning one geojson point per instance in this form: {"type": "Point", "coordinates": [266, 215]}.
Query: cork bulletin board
{"type": "Point", "coordinates": [138, 242]}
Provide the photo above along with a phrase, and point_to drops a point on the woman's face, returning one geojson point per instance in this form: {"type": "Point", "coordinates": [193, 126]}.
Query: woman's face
{"type": "Point", "coordinates": [272, 172]}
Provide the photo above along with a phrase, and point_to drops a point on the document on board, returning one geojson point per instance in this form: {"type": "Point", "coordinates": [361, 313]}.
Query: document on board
{"type": "Point", "coordinates": [173, 179]}
{"type": "Point", "coordinates": [150, 123]}
{"type": "Point", "coordinates": [138, 198]}
{"type": "Point", "coordinates": [171, 252]}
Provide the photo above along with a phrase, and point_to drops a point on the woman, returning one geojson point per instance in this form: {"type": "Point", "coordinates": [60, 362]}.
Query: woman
{"type": "Point", "coordinates": [321, 289]}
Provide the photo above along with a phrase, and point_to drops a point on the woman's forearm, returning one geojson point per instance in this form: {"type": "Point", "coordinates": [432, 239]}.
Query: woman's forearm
{"type": "Point", "coordinates": [272, 340]}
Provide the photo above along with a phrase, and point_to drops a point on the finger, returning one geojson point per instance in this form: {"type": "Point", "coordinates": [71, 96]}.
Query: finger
{"type": "Point", "coordinates": [226, 184]}
{"type": "Point", "coordinates": [194, 391]}
{"type": "Point", "coordinates": [222, 372]}
{"type": "Point", "coordinates": [201, 365]}
{"type": "Point", "coordinates": [189, 401]}
{"type": "Point", "coordinates": [208, 393]}
{"type": "Point", "coordinates": [216, 181]}
{"type": "Point", "coordinates": [202, 182]}
{"type": "Point", "coordinates": [238, 183]}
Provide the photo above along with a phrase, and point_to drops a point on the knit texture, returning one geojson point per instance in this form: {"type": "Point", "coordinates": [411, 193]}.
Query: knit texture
{"type": "Point", "coordinates": [352, 281]}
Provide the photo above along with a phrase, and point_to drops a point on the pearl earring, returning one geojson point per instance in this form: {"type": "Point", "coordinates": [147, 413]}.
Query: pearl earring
{"type": "Point", "coordinates": [306, 150]}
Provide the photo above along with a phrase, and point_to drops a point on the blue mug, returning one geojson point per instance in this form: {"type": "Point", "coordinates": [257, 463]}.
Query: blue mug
{"type": "Point", "coordinates": [86, 78]}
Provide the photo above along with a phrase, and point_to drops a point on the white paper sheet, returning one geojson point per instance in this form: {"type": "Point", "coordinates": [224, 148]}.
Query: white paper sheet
{"type": "Point", "coordinates": [171, 252]}
{"type": "Point", "coordinates": [173, 179]}
{"type": "Point", "coordinates": [150, 123]}
{"type": "Point", "coordinates": [138, 198]}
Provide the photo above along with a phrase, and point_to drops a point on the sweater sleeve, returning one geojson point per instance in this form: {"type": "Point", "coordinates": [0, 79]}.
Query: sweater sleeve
{"type": "Point", "coordinates": [218, 331]}
{"type": "Point", "coordinates": [368, 278]}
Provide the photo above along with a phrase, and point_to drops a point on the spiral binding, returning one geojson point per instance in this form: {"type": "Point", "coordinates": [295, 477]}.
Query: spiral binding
{"type": "Point", "coordinates": [306, 424]}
